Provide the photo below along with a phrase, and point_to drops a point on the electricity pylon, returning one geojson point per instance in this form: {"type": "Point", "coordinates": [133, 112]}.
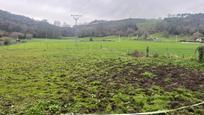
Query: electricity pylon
{"type": "Point", "coordinates": [76, 19]}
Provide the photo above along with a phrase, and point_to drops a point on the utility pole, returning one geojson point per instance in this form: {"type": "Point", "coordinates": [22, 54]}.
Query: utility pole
{"type": "Point", "coordinates": [119, 38]}
{"type": "Point", "coordinates": [176, 38]}
{"type": "Point", "coordinates": [46, 39]}
{"type": "Point", "coordinates": [76, 19]}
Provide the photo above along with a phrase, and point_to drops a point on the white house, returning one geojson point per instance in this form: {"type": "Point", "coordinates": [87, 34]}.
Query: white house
{"type": "Point", "coordinates": [201, 39]}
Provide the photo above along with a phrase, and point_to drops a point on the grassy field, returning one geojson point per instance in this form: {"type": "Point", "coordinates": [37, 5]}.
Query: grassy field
{"type": "Point", "coordinates": [64, 76]}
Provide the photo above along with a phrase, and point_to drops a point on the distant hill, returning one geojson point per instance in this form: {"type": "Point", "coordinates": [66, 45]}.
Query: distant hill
{"type": "Point", "coordinates": [123, 27]}
{"type": "Point", "coordinates": [98, 22]}
{"type": "Point", "coordinates": [181, 24]}
{"type": "Point", "coordinates": [186, 24]}
{"type": "Point", "coordinates": [17, 23]}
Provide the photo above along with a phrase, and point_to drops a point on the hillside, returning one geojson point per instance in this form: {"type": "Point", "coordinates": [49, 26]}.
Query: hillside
{"type": "Point", "coordinates": [17, 23]}
{"type": "Point", "coordinates": [181, 24]}
{"type": "Point", "coordinates": [123, 27]}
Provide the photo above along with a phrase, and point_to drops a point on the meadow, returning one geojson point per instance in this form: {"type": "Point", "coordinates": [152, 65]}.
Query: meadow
{"type": "Point", "coordinates": [76, 75]}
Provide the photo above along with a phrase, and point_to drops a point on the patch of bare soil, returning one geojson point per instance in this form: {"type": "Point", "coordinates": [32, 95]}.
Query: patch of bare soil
{"type": "Point", "coordinates": [167, 77]}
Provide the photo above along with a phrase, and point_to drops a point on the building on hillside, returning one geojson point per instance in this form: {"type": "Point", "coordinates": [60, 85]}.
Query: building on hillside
{"type": "Point", "coordinates": [201, 39]}
{"type": "Point", "coordinates": [16, 35]}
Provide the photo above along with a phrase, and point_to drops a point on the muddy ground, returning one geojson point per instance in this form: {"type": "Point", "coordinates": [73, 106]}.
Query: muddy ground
{"type": "Point", "coordinates": [169, 78]}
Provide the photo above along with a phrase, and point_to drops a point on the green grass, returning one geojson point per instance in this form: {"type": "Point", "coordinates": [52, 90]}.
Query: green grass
{"type": "Point", "coordinates": [64, 76]}
{"type": "Point", "coordinates": [83, 45]}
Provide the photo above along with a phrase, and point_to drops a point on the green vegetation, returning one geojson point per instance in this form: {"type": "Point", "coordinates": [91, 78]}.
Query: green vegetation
{"type": "Point", "coordinates": [148, 74]}
{"type": "Point", "coordinates": [200, 51]}
{"type": "Point", "coordinates": [98, 76]}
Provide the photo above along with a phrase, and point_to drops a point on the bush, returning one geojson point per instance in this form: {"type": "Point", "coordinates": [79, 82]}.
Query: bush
{"type": "Point", "coordinates": [148, 74]}
{"type": "Point", "coordinates": [91, 39]}
{"type": "Point", "coordinates": [182, 41]}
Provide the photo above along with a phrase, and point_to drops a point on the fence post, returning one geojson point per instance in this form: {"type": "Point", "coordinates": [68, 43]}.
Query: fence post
{"type": "Point", "coordinates": [147, 51]}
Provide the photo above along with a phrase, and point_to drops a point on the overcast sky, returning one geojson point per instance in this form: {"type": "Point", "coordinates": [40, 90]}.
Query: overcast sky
{"type": "Point", "coordinates": [100, 9]}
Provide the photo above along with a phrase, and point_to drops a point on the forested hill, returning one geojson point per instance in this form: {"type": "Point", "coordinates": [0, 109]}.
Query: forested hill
{"type": "Point", "coordinates": [124, 27]}
{"type": "Point", "coordinates": [181, 24]}
{"type": "Point", "coordinates": [17, 23]}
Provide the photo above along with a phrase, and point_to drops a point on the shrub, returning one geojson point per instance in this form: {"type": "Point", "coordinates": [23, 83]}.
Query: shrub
{"type": "Point", "coordinates": [182, 41]}
{"type": "Point", "coordinates": [91, 39]}
{"type": "Point", "coordinates": [148, 74]}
